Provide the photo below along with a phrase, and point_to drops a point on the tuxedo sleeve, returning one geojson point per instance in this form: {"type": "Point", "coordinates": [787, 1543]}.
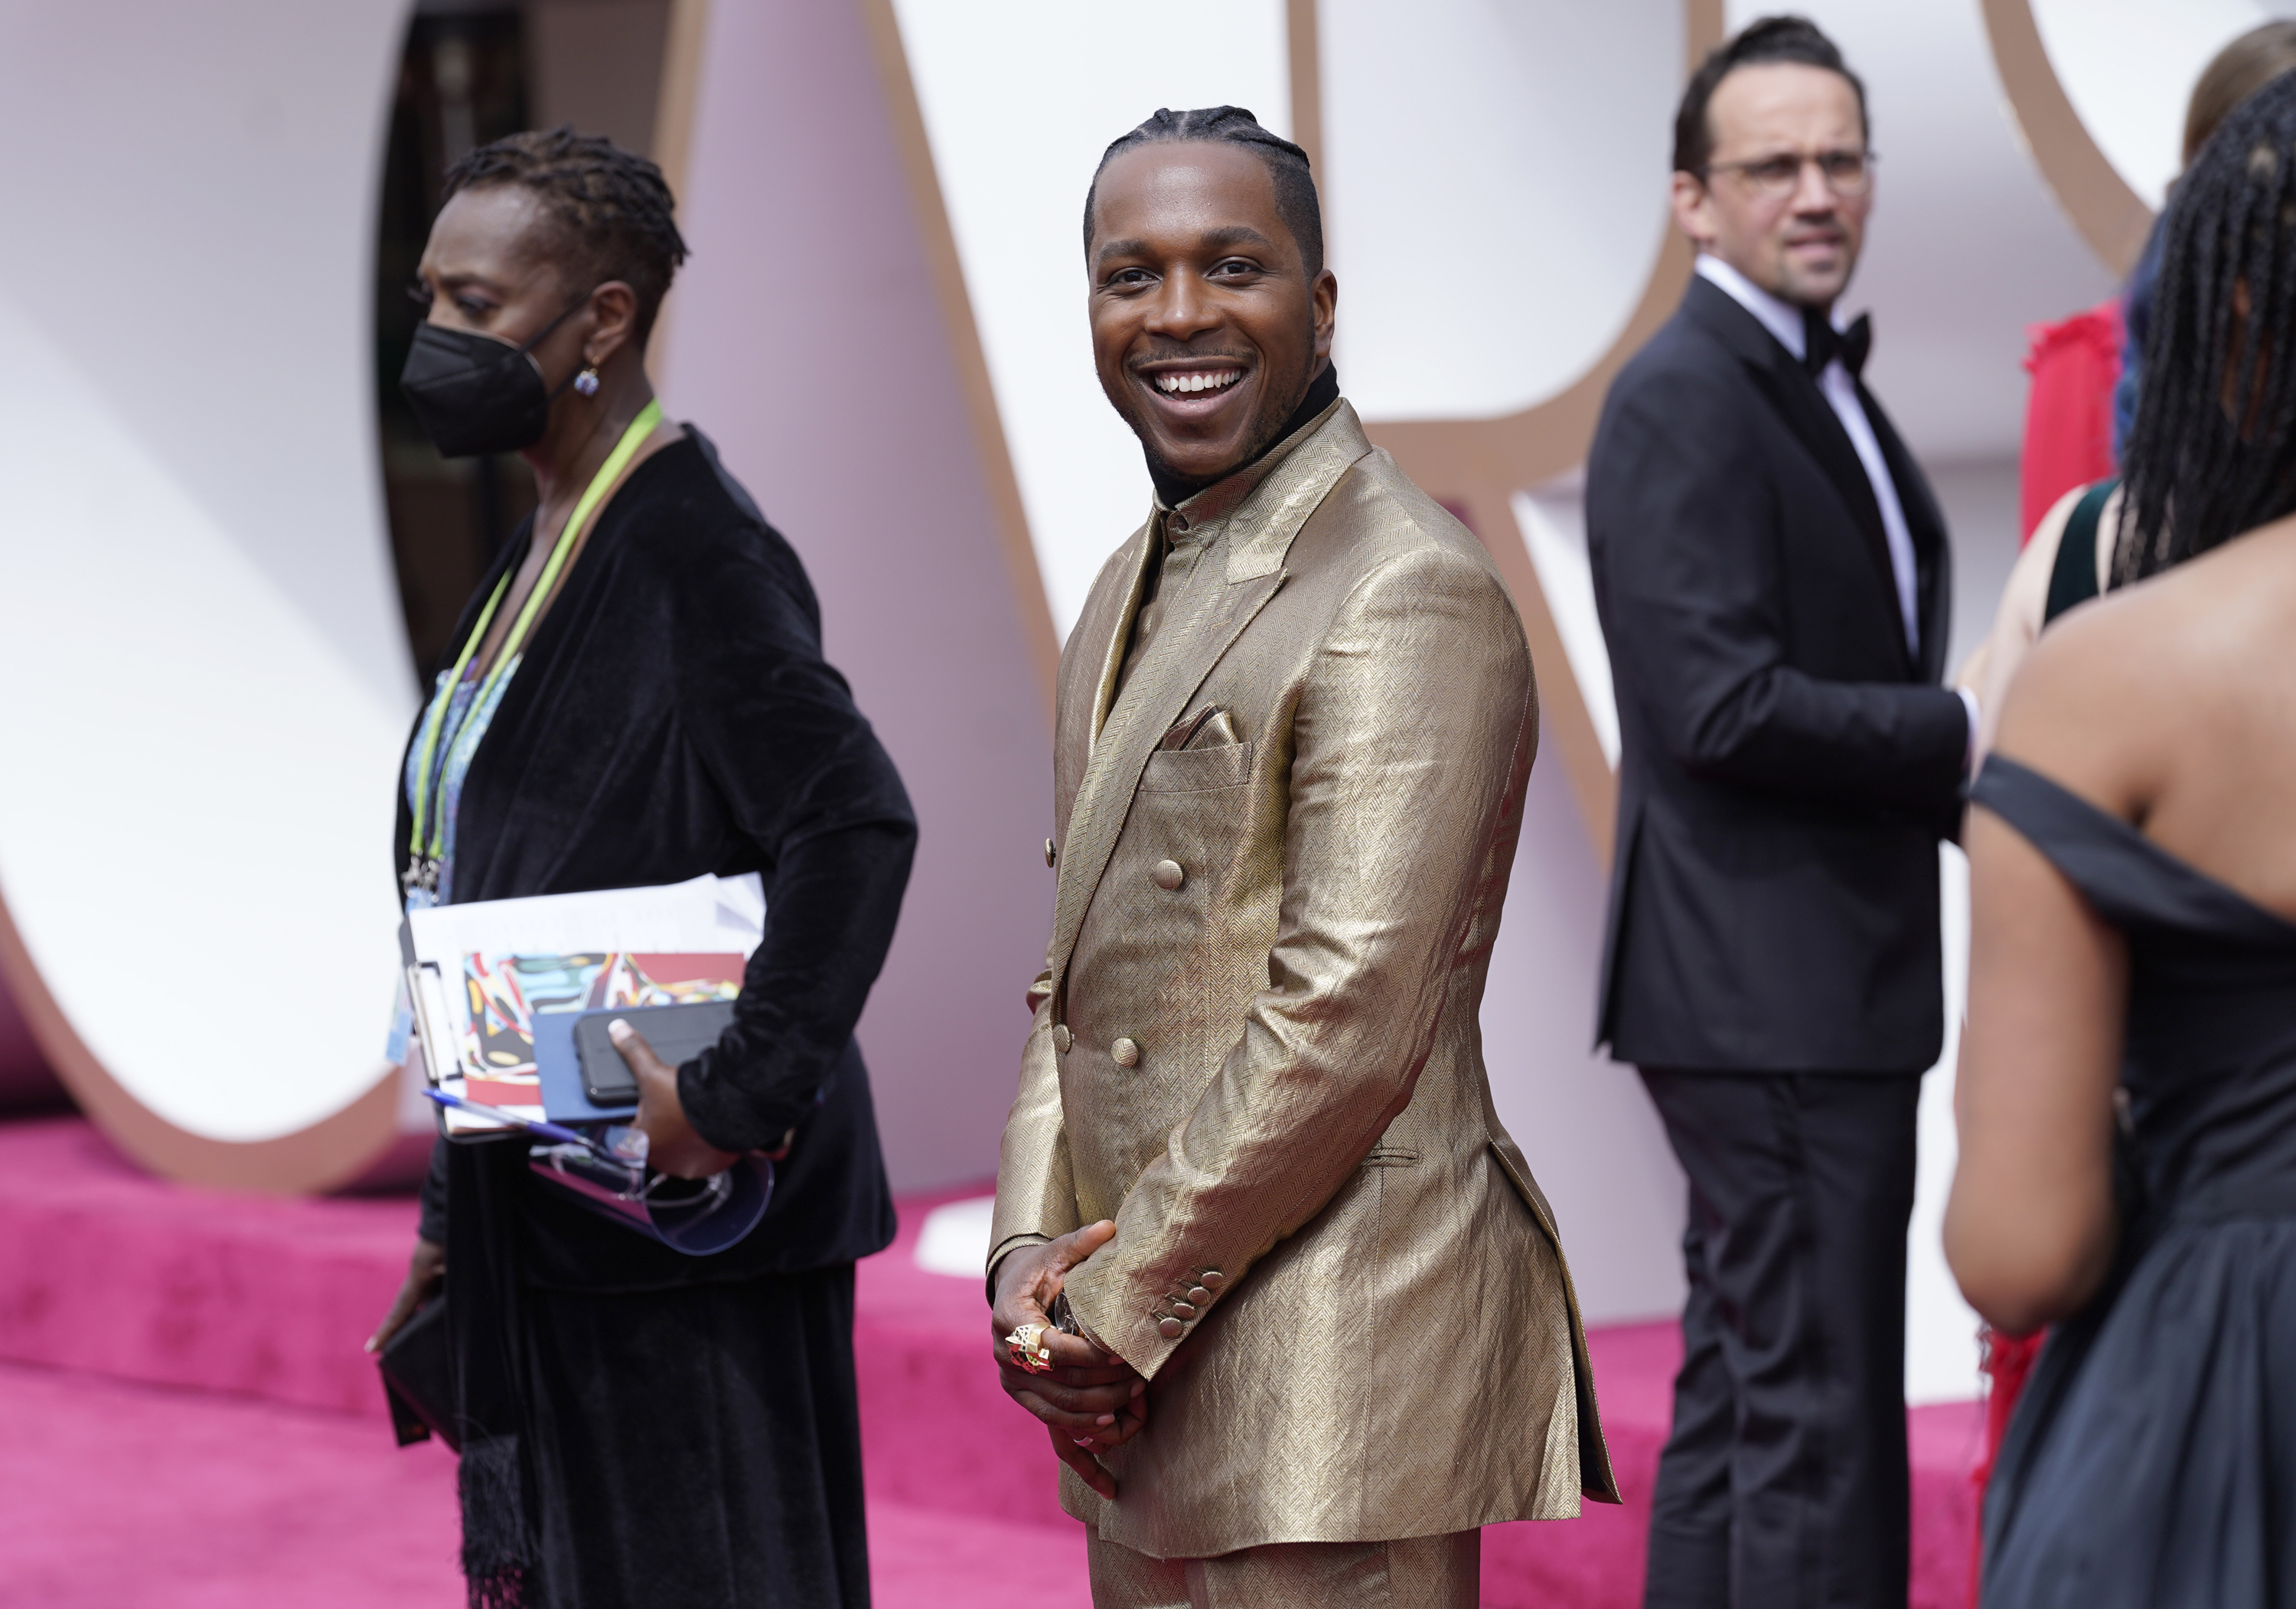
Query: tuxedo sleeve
{"type": "Point", "coordinates": [1682, 527]}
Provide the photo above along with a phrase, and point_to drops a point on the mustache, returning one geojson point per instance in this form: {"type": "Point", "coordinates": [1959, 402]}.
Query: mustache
{"type": "Point", "coordinates": [1180, 353]}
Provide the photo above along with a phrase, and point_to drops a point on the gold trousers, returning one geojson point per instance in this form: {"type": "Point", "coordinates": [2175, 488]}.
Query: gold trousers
{"type": "Point", "coordinates": [1417, 1573]}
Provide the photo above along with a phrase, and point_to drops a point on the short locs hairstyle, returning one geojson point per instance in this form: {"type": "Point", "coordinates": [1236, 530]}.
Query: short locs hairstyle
{"type": "Point", "coordinates": [610, 211]}
{"type": "Point", "coordinates": [1286, 163]}
{"type": "Point", "coordinates": [1768, 39]}
{"type": "Point", "coordinates": [2213, 451]}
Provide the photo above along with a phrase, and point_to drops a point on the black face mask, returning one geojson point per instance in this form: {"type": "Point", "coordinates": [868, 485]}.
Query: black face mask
{"type": "Point", "coordinates": [475, 393]}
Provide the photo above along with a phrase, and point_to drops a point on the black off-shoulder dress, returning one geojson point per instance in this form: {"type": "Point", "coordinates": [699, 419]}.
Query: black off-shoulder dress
{"type": "Point", "coordinates": [643, 1427]}
{"type": "Point", "coordinates": [2151, 1459]}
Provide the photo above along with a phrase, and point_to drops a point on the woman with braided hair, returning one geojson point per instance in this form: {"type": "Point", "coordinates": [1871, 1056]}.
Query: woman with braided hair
{"type": "Point", "coordinates": [2127, 1090]}
{"type": "Point", "coordinates": [635, 695]}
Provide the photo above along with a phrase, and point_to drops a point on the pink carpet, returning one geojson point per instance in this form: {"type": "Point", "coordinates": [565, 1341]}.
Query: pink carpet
{"type": "Point", "coordinates": [187, 1420]}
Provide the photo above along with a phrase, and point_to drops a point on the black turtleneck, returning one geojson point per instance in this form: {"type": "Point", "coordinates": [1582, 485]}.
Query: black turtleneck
{"type": "Point", "coordinates": [1322, 391]}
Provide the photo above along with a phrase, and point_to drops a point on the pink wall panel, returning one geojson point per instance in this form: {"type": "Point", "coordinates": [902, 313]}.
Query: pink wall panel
{"type": "Point", "coordinates": [806, 341]}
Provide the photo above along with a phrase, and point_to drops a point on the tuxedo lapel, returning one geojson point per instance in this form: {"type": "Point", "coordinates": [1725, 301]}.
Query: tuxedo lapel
{"type": "Point", "coordinates": [1807, 414]}
{"type": "Point", "coordinates": [1925, 525]}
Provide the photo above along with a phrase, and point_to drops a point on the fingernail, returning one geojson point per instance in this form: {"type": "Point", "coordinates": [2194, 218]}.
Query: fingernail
{"type": "Point", "coordinates": [1138, 1386]}
{"type": "Point", "coordinates": [617, 1029]}
{"type": "Point", "coordinates": [1105, 1419]}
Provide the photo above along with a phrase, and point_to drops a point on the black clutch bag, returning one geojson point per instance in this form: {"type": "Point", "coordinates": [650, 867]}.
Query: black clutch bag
{"type": "Point", "coordinates": [418, 1377]}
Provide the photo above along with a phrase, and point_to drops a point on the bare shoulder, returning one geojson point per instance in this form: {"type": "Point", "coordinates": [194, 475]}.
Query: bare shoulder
{"type": "Point", "coordinates": [2040, 553]}
{"type": "Point", "coordinates": [2131, 690]}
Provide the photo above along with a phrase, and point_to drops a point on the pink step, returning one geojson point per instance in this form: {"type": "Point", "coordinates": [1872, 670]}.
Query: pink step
{"type": "Point", "coordinates": [107, 1271]}
{"type": "Point", "coordinates": [124, 1496]}
{"type": "Point", "coordinates": [104, 1269]}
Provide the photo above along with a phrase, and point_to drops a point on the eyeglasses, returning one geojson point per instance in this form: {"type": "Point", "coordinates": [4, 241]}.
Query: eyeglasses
{"type": "Point", "coordinates": [1773, 178]}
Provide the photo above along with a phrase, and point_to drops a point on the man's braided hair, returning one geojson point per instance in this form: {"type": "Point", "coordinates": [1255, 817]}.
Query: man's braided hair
{"type": "Point", "coordinates": [1286, 163]}
{"type": "Point", "coordinates": [2213, 451]}
{"type": "Point", "coordinates": [610, 211]}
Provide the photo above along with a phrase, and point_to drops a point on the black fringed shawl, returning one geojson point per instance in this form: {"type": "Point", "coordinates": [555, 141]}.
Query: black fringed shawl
{"type": "Point", "coordinates": [673, 716]}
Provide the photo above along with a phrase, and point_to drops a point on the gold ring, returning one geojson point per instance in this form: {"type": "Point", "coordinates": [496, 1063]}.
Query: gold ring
{"type": "Point", "coordinates": [1028, 1351]}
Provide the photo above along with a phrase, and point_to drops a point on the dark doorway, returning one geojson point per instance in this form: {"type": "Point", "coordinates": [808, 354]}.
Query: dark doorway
{"type": "Point", "coordinates": [471, 73]}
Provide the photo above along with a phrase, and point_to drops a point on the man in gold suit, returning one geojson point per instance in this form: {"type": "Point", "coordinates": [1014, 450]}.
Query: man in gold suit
{"type": "Point", "coordinates": [1264, 1261]}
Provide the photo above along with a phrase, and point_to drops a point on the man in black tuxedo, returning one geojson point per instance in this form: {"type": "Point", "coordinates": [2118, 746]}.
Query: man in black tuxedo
{"type": "Point", "coordinates": [1773, 578]}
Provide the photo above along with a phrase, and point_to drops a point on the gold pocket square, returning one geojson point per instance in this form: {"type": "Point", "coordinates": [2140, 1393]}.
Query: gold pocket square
{"type": "Point", "coordinates": [1208, 728]}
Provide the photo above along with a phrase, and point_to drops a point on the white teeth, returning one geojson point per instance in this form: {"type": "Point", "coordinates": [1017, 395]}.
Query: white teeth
{"type": "Point", "coordinates": [1179, 384]}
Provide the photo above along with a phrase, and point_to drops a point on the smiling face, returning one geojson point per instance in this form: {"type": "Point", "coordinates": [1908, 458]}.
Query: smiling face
{"type": "Point", "coordinates": [1205, 326]}
{"type": "Point", "coordinates": [1801, 245]}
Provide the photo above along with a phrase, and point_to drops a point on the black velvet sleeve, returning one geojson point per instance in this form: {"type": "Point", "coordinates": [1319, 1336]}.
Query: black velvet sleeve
{"type": "Point", "coordinates": [809, 785]}
{"type": "Point", "coordinates": [432, 1224]}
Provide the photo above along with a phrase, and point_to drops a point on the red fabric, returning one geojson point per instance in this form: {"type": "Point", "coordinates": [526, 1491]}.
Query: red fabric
{"type": "Point", "coordinates": [2074, 364]}
{"type": "Point", "coordinates": [2008, 1361]}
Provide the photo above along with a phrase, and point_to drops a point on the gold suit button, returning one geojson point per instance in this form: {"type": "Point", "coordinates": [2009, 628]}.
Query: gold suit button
{"type": "Point", "coordinates": [1169, 874]}
{"type": "Point", "coordinates": [1050, 853]}
{"type": "Point", "coordinates": [1171, 1329]}
{"type": "Point", "coordinates": [1200, 1296]}
{"type": "Point", "coordinates": [1127, 1052]}
{"type": "Point", "coordinates": [1062, 1038]}
{"type": "Point", "coordinates": [1213, 1280]}
{"type": "Point", "coordinates": [1184, 1310]}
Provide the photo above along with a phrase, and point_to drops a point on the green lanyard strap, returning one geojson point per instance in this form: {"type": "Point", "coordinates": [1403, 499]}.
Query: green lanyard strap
{"type": "Point", "coordinates": [424, 854]}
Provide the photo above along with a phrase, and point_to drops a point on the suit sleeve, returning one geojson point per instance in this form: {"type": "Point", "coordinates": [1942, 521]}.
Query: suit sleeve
{"type": "Point", "coordinates": [1411, 728]}
{"type": "Point", "coordinates": [1683, 537]}
{"type": "Point", "coordinates": [1036, 1187]}
{"type": "Point", "coordinates": [1036, 1182]}
{"type": "Point", "coordinates": [808, 783]}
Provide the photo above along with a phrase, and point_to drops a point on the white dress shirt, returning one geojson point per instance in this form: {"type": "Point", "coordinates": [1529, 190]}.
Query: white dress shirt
{"type": "Point", "coordinates": [1783, 320]}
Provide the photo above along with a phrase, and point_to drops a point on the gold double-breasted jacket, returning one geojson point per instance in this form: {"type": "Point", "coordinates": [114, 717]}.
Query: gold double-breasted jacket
{"type": "Point", "coordinates": [1268, 1068]}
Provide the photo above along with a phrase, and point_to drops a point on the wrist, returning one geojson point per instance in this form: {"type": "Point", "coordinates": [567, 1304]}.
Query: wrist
{"type": "Point", "coordinates": [1000, 1262]}
{"type": "Point", "coordinates": [1012, 1272]}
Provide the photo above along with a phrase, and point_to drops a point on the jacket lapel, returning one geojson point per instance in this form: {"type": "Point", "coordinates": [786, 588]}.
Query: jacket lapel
{"type": "Point", "coordinates": [1151, 553]}
{"type": "Point", "coordinates": [1809, 416]}
{"type": "Point", "coordinates": [1925, 524]}
{"type": "Point", "coordinates": [1257, 537]}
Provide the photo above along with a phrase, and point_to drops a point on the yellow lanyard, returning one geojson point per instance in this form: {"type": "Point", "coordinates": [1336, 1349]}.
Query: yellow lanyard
{"type": "Point", "coordinates": [423, 855]}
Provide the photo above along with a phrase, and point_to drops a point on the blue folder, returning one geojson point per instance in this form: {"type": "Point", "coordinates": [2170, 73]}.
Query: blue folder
{"type": "Point", "coordinates": [563, 1097]}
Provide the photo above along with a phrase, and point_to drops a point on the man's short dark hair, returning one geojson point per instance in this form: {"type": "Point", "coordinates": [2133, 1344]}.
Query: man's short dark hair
{"type": "Point", "coordinates": [1768, 39]}
{"type": "Point", "coordinates": [1286, 163]}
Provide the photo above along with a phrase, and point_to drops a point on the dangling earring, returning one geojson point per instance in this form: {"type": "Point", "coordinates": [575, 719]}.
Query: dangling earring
{"type": "Point", "coordinates": [586, 382]}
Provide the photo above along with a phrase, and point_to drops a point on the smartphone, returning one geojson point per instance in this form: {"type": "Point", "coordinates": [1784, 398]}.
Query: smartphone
{"type": "Point", "coordinates": [678, 1034]}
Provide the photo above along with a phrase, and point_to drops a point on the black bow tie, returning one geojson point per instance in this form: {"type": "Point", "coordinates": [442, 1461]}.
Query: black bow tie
{"type": "Point", "coordinates": [1821, 343]}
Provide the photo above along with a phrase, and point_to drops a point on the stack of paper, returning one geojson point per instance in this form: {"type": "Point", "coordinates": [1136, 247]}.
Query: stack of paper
{"type": "Point", "coordinates": [482, 973]}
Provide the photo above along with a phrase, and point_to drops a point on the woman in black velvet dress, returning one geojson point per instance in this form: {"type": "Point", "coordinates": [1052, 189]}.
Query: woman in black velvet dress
{"type": "Point", "coordinates": [2128, 1094]}
{"type": "Point", "coordinates": [642, 1427]}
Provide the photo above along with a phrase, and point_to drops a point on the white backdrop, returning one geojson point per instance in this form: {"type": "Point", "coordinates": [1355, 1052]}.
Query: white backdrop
{"type": "Point", "coordinates": [1494, 178]}
{"type": "Point", "coordinates": [201, 646]}
{"type": "Point", "coordinates": [1495, 193]}
{"type": "Point", "coordinates": [199, 634]}
{"type": "Point", "coordinates": [1020, 98]}
{"type": "Point", "coordinates": [2127, 66]}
